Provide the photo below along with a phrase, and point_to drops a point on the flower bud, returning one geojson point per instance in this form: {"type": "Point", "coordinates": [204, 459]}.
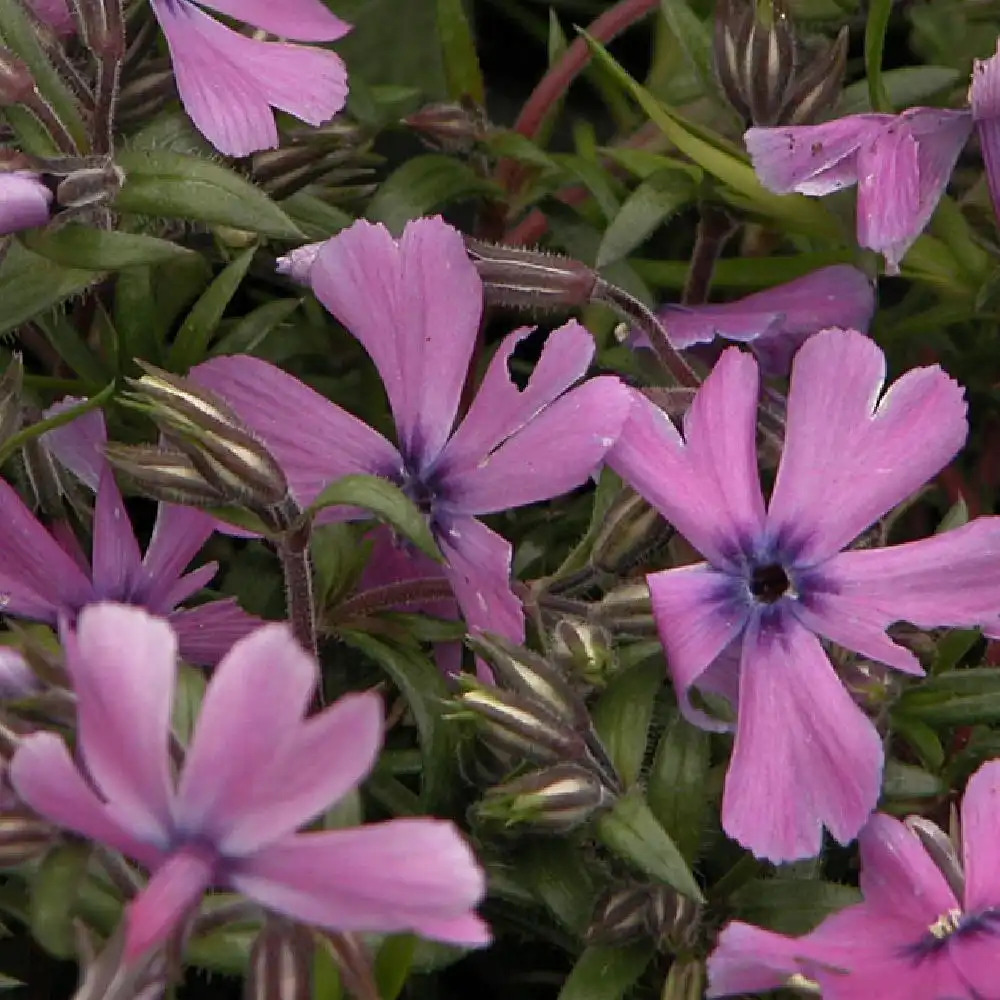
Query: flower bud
{"type": "Point", "coordinates": [521, 727]}
{"type": "Point", "coordinates": [90, 185]}
{"type": "Point", "coordinates": [685, 980]}
{"type": "Point", "coordinates": [529, 675]}
{"type": "Point", "coordinates": [646, 910]}
{"type": "Point", "coordinates": [627, 610]}
{"type": "Point", "coordinates": [584, 648]}
{"type": "Point", "coordinates": [620, 916]}
{"type": "Point", "coordinates": [297, 263]}
{"type": "Point", "coordinates": [280, 963]}
{"type": "Point", "coordinates": [449, 126]}
{"type": "Point", "coordinates": [556, 799]}
{"type": "Point", "coordinates": [163, 474]}
{"type": "Point", "coordinates": [23, 839]}
{"type": "Point", "coordinates": [228, 456]}
{"type": "Point", "coordinates": [17, 85]}
{"type": "Point", "coordinates": [530, 279]}
{"type": "Point", "coordinates": [818, 88]}
{"type": "Point", "coordinates": [632, 532]}
{"type": "Point", "coordinates": [942, 851]}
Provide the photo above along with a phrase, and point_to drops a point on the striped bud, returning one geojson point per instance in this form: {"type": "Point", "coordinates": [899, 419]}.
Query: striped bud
{"type": "Point", "coordinates": [23, 839]}
{"type": "Point", "coordinates": [632, 533]}
{"type": "Point", "coordinates": [627, 610]}
{"type": "Point", "coordinates": [164, 474]}
{"type": "Point", "coordinates": [584, 648]}
{"type": "Point", "coordinates": [685, 980]}
{"type": "Point", "coordinates": [280, 963]}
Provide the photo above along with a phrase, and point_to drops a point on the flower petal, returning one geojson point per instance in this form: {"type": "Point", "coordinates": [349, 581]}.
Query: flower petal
{"type": "Point", "coordinates": [37, 578]}
{"type": "Point", "coordinates": [78, 445]}
{"type": "Point", "coordinates": [255, 702]}
{"type": "Point", "coordinates": [115, 557]}
{"type": "Point", "coordinates": [414, 304]}
{"type": "Point", "coordinates": [708, 487]}
{"type": "Point", "coordinates": [314, 440]}
{"type": "Point", "coordinates": [384, 877]}
{"type": "Point", "coordinates": [984, 96]}
{"type": "Point", "coordinates": [24, 201]}
{"type": "Point", "coordinates": [206, 633]}
{"type": "Point", "coordinates": [811, 159]}
{"type": "Point", "coordinates": [697, 616]}
{"type": "Point", "coordinates": [178, 534]}
{"type": "Point", "coordinates": [478, 566]}
{"type": "Point", "coordinates": [980, 823]}
{"type": "Point", "coordinates": [843, 443]}
{"type": "Point", "coordinates": [802, 745]}
{"type": "Point", "coordinates": [44, 776]}
{"type": "Point", "coordinates": [500, 409]}
{"type": "Point", "coordinates": [300, 20]}
{"type": "Point", "coordinates": [749, 959]}
{"type": "Point", "coordinates": [122, 665]}
{"type": "Point", "coordinates": [558, 450]}
{"type": "Point", "coordinates": [328, 756]}
{"type": "Point", "coordinates": [172, 893]}
{"type": "Point", "coordinates": [228, 83]}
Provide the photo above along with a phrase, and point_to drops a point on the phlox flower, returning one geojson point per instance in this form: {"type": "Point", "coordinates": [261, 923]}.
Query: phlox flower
{"type": "Point", "coordinates": [256, 770]}
{"type": "Point", "coordinates": [415, 305]}
{"type": "Point", "coordinates": [44, 575]}
{"type": "Point", "coordinates": [25, 202]}
{"type": "Point", "coordinates": [901, 164]}
{"type": "Point", "coordinates": [747, 623]}
{"type": "Point", "coordinates": [773, 323]}
{"type": "Point", "coordinates": [915, 936]}
{"type": "Point", "coordinates": [984, 98]}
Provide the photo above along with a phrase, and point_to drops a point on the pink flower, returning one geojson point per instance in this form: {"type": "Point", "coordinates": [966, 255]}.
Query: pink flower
{"type": "Point", "coordinates": [25, 202]}
{"type": "Point", "coordinates": [256, 770]}
{"type": "Point", "coordinates": [915, 936]}
{"type": "Point", "coordinates": [901, 164]}
{"type": "Point", "coordinates": [747, 623]}
{"type": "Point", "coordinates": [415, 305]}
{"type": "Point", "coordinates": [44, 575]}
{"type": "Point", "coordinates": [774, 323]}
{"type": "Point", "coordinates": [984, 96]}
{"type": "Point", "coordinates": [229, 83]}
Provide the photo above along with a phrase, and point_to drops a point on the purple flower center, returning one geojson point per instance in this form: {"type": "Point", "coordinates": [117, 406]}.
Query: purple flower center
{"type": "Point", "coordinates": [769, 583]}
{"type": "Point", "coordinates": [954, 925]}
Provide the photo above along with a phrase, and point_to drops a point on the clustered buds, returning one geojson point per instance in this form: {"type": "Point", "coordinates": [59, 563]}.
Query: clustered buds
{"type": "Point", "coordinates": [755, 60]}
{"type": "Point", "coordinates": [534, 714]}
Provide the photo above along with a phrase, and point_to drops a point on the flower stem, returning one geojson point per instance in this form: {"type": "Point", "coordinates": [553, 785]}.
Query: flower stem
{"type": "Point", "coordinates": [714, 229]}
{"type": "Point", "coordinates": [292, 544]}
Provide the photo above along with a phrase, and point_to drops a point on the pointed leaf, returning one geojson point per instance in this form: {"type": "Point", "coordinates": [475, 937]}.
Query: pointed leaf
{"type": "Point", "coordinates": [461, 64]}
{"type": "Point", "coordinates": [54, 891]}
{"type": "Point", "coordinates": [606, 972]}
{"type": "Point", "coordinates": [84, 247]}
{"type": "Point", "coordinates": [790, 906]}
{"type": "Point", "coordinates": [392, 964]}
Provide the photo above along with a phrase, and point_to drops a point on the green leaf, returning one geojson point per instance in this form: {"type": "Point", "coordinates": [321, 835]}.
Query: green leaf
{"type": "Point", "coordinates": [622, 716]}
{"type": "Point", "coordinates": [387, 502]}
{"type": "Point", "coordinates": [248, 333]}
{"type": "Point", "coordinates": [173, 185]}
{"type": "Point", "coordinates": [956, 698]}
{"type": "Point", "coordinates": [201, 322]}
{"type": "Point", "coordinates": [922, 738]}
{"type": "Point", "coordinates": [906, 781]}
{"type": "Point", "coordinates": [189, 692]}
{"type": "Point", "coordinates": [906, 86]}
{"type": "Point", "coordinates": [31, 285]}
{"type": "Point", "coordinates": [788, 905]}
{"type": "Point", "coordinates": [392, 964]}
{"type": "Point", "coordinates": [54, 891]}
{"type": "Point", "coordinates": [423, 184]}
{"type": "Point", "coordinates": [721, 160]}
{"type": "Point", "coordinates": [461, 64]}
{"type": "Point", "coordinates": [695, 42]}
{"type": "Point", "coordinates": [427, 694]}
{"type": "Point", "coordinates": [632, 832]}
{"type": "Point", "coordinates": [557, 875]}
{"type": "Point", "coordinates": [878, 21]}
{"type": "Point", "coordinates": [606, 972]}
{"type": "Point", "coordinates": [326, 983]}
{"type": "Point", "coordinates": [646, 209]}
{"type": "Point", "coordinates": [677, 789]}
{"type": "Point", "coordinates": [84, 247]}
{"type": "Point", "coordinates": [952, 647]}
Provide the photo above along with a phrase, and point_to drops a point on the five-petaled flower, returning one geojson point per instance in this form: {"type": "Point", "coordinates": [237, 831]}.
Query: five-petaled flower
{"type": "Point", "coordinates": [747, 623]}
{"type": "Point", "coordinates": [45, 576]}
{"type": "Point", "coordinates": [256, 770]}
{"type": "Point", "coordinates": [415, 305]}
{"type": "Point", "coordinates": [916, 936]}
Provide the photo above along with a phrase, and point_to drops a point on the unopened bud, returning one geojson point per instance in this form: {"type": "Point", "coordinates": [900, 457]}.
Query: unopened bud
{"type": "Point", "coordinates": [530, 279]}
{"type": "Point", "coordinates": [519, 726]}
{"type": "Point", "coordinates": [941, 848]}
{"type": "Point", "coordinates": [817, 88]}
{"type": "Point", "coordinates": [280, 963]}
{"type": "Point", "coordinates": [527, 674]}
{"type": "Point", "coordinates": [448, 126]}
{"type": "Point", "coordinates": [557, 799]}
{"type": "Point", "coordinates": [17, 85]}
{"type": "Point", "coordinates": [685, 980]}
{"type": "Point", "coordinates": [632, 532]}
{"type": "Point", "coordinates": [10, 398]}
{"type": "Point", "coordinates": [23, 839]}
{"type": "Point", "coordinates": [212, 436]}
{"type": "Point", "coordinates": [620, 916]}
{"type": "Point", "coordinates": [673, 918]}
{"type": "Point", "coordinates": [627, 610]}
{"type": "Point", "coordinates": [90, 186]}
{"type": "Point", "coordinates": [297, 263]}
{"type": "Point", "coordinates": [585, 648]}
{"type": "Point", "coordinates": [164, 474]}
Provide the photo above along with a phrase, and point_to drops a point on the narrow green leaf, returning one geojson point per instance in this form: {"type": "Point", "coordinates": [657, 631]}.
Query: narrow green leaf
{"type": "Point", "coordinates": [248, 333]}
{"type": "Point", "coordinates": [907, 781]}
{"type": "Point", "coordinates": [423, 184]}
{"type": "Point", "coordinates": [558, 876]}
{"type": "Point", "coordinates": [426, 693]}
{"type": "Point", "coordinates": [695, 42]}
{"type": "Point", "coordinates": [622, 716]}
{"type": "Point", "coordinates": [202, 321]}
{"type": "Point", "coordinates": [905, 87]}
{"type": "Point", "coordinates": [174, 185]}
{"type": "Point", "coordinates": [386, 501]}
{"type": "Point", "coordinates": [189, 692]}
{"type": "Point", "coordinates": [134, 312]}
{"type": "Point", "coordinates": [606, 972]}
{"type": "Point", "coordinates": [31, 285]}
{"type": "Point", "coordinates": [54, 891]}
{"type": "Point", "coordinates": [326, 983]}
{"type": "Point", "coordinates": [952, 646]}
{"type": "Point", "coordinates": [654, 201]}
{"type": "Point", "coordinates": [458, 47]}
{"type": "Point", "coordinates": [84, 247]}
{"type": "Point", "coordinates": [788, 905]}
{"type": "Point", "coordinates": [393, 963]}
{"type": "Point", "coordinates": [677, 789]}
{"type": "Point", "coordinates": [878, 21]}
{"type": "Point", "coordinates": [632, 832]}
{"type": "Point", "coordinates": [922, 738]}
